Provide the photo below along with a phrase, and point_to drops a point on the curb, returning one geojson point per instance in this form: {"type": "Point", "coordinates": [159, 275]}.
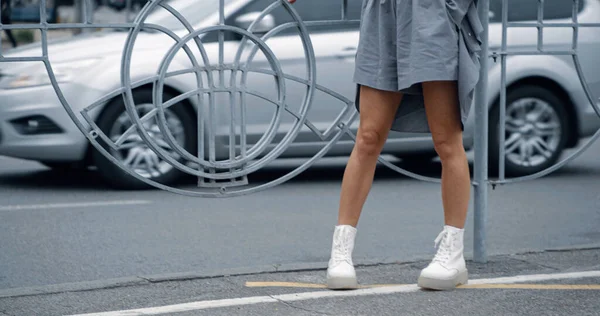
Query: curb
{"type": "Point", "coordinates": [198, 275]}
{"type": "Point", "coordinates": [593, 246]}
{"type": "Point", "coordinates": [72, 287]}
{"type": "Point", "coordinates": [179, 276]}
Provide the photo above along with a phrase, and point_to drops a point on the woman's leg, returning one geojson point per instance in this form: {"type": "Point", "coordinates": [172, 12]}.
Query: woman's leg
{"type": "Point", "coordinates": [11, 38]}
{"type": "Point", "coordinates": [448, 267]}
{"type": "Point", "coordinates": [443, 115]}
{"type": "Point", "coordinates": [9, 33]}
{"type": "Point", "coordinates": [377, 112]}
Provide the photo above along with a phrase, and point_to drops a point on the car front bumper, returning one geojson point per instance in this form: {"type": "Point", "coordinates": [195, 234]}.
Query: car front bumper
{"type": "Point", "coordinates": [60, 140]}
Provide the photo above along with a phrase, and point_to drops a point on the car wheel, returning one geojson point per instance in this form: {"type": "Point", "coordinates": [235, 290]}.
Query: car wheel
{"type": "Point", "coordinates": [537, 130]}
{"type": "Point", "coordinates": [134, 153]}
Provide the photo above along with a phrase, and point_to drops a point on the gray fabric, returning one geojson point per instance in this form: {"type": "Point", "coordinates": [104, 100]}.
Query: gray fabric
{"type": "Point", "coordinates": [406, 42]}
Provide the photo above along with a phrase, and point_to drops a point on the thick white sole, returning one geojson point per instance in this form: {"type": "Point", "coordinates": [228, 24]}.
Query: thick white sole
{"type": "Point", "coordinates": [443, 284]}
{"type": "Point", "coordinates": [342, 283]}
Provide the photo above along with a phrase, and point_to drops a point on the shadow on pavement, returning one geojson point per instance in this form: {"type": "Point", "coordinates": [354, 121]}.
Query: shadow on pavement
{"type": "Point", "coordinates": [323, 172]}
{"type": "Point", "coordinates": [37, 177]}
{"type": "Point", "coordinates": [327, 170]}
{"type": "Point", "coordinates": [47, 179]}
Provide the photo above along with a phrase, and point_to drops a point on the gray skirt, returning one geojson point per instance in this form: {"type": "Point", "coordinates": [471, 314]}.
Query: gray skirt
{"type": "Point", "coordinates": [406, 42]}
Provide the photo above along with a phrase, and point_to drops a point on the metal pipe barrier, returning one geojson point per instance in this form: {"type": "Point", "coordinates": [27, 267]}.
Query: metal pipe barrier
{"type": "Point", "coordinates": [482, 112]}
{"type": "Point", "coordinates": [229, 176]}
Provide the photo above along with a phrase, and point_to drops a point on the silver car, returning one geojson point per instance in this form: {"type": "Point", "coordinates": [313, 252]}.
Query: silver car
{"type": "Point", "coordinates": [547, 111]}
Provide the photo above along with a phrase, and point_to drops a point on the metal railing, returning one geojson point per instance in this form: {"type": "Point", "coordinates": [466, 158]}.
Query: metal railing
{"type": "Point", "coordinates": [481, 179]}
{"type": "Point", "coordinates": [229, 177]}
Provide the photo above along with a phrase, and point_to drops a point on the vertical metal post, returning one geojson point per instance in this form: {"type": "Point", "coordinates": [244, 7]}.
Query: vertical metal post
{"type": "Point", "coordinates": [83, 14]}
{"type": "Point", "coordinates": [540, 27]}
{"type": "Point", "coordinates": [575, 25]}
{"type": "Point", "coordinates": [502, 120]}
{"type": "Point", "coordinates": [481, 144]}
{"type": "Point", "coordinates": [1, 30]}
{"type": "Point", "coordinates": [79, 15]}
{"type": "Point", "coordinates": [128, 11]}
{"type": "Point", "coordinates": [44, 31]}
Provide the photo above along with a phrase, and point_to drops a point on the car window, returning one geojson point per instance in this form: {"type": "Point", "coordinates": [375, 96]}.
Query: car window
{"type": "Point", "coordinates": [193, 11]}
{"type": "Point", "coordinates": [309, 10]}
{"type": "Point", "coordinates": [527, 10]}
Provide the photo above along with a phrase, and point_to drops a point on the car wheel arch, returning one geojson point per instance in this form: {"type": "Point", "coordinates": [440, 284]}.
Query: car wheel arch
{"type": "Point", "coordinates": [525, 68]}
{"type": "Point", "coordinates": [561, 93]}
{"type": "Point", "coordinates": [564, 96]}
{"type": "Point", "coordinates": [167, 88]}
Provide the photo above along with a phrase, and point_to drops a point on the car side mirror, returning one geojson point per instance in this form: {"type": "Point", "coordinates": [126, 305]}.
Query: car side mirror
{"type": "Point", "coordinates": [266, 24]}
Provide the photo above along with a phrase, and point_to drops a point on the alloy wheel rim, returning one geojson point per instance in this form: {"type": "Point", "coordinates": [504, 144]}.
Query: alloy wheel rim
{"type": "Point", "coordinates": [533, 132]}
{"type": "Point", "coordinates": [135, 154]}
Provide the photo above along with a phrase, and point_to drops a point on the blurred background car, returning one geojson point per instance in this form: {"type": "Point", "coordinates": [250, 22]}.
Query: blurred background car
{"type": "Point", "coordinates": [122, 4]}
{"type": "Point", "coordinates": [547, 110]}
{"type": "Point", "coordinates": [29, 11]}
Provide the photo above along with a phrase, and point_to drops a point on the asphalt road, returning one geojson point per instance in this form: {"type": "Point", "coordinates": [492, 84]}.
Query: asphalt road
{"type": "Point", "coordinates": [547, 283]}
{"type": "Point", "coordinates": [47, 239]}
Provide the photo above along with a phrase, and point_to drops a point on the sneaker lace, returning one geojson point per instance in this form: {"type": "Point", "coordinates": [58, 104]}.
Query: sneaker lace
{"type": "Point", "coordinates": [341, 251]}
{"type": "Point", "coordinates": [444, 244]}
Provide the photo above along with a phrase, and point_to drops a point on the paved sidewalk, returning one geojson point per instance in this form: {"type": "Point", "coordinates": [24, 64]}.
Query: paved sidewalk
{"type": "Point", "coordinates": [558, 282]}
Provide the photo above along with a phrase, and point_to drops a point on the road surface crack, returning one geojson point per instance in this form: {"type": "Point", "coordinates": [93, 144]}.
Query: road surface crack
{"type": "Point", "coordinates": [537, 264]}
{"type": "Point", "coordinates": [298, 307]}
{"type": "Point", "coordinates": [4, 313]}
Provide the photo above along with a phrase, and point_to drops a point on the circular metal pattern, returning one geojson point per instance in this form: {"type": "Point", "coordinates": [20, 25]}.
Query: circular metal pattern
{"type": "Point", "coordinates": [155, 139]}
{"type": "Point", "coordinates": [257, 149]}
{"type": "Point", "coordinates": [238, 161]}
{"type": "Point", "coordinates": [533, 132]}
{"type": "Point", "coordinates": [238, 165]}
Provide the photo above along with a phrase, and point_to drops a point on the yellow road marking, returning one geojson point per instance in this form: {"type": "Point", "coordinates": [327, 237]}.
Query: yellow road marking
{"type": "Point", "coordinates": [468, 286]}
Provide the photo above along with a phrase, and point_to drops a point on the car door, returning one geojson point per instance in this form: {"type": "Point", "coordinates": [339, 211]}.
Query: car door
{"type": "Point", "coordinates": [589, 46]}
{"type": "Point", "coordinates": [560, 38]}
{"type": "Point", "coordinates": [334, 49]}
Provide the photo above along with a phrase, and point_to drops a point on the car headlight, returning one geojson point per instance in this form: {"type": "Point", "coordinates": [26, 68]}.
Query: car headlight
{"type": "Point", "coordinates": [63, 71]}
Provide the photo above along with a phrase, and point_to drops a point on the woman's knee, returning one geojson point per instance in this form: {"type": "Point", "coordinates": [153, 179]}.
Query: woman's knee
{"type": "Point", "coordinates": [449, 148]}
{"type": "Point", "coordinates": [369, 142]}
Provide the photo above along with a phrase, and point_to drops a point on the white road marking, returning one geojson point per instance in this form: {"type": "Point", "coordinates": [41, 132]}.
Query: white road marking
{"type": "Point", "coordinates": [8, 208]}
{"type": "Point", "coordinates": [538, 277]}
{"type": "Point", "coordinates": [302, 296]}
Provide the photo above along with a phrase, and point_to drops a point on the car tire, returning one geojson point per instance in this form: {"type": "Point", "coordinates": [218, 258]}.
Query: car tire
{"type": "Point", "coordinates": [524, 132]}
{"type": "Point", "coordinates": [113, 174]}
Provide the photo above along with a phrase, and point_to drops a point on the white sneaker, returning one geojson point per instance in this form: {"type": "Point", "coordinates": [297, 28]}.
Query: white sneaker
{"type": "Point", "coordinates": [448, 268]}
{"type": "Point", "coordinates": [340, 272]}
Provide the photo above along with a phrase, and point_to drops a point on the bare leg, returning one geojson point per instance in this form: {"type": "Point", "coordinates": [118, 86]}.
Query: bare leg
{"type": "Point", "coordinates": [9, 33]}
{"type": "Point", "coordinates": [443, 115]}
{"type": "Point", "coordinates": [448, 267]}
{"type": "Point", "coordinates": [377, 113]}
{"type": "Point", "coordinates": [11, 38]}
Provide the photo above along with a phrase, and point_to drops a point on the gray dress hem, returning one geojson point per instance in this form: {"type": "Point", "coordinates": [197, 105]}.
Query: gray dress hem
{"type": "Point", "coordinates": [410, 87]}
{"type": "Point", "coordinates": [461, 63]}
